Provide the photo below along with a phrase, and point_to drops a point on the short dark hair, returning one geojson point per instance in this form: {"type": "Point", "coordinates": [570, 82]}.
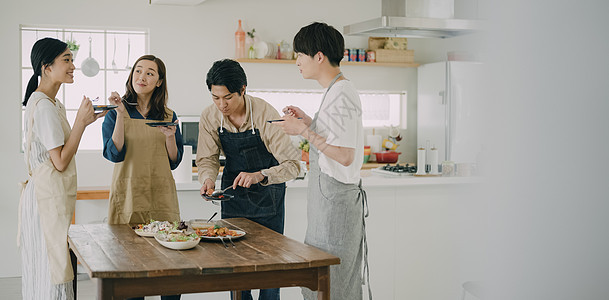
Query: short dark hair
{"type": "Point", "coordinates": [320, 37]}
{"type": "Point", "coordinates": [228, 73]}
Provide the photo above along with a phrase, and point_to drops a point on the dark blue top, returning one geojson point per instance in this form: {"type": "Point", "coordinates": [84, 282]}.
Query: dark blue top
{"type": "Point", "coordinates": [113, 155]}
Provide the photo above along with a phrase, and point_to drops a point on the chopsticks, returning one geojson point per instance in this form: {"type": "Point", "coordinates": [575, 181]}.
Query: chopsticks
{"type": "Point", "coordinates": [279, 120]}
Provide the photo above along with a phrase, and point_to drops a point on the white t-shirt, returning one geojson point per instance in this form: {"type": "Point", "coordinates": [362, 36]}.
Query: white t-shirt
{"type": "Point", "coordinates": [340, 121]}
{"type": "Point", "coordinates": [48, 133]}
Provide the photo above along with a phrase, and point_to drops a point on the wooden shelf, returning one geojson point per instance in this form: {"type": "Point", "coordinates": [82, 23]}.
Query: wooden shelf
{"type": "Point", "coordinates": [343, 63]}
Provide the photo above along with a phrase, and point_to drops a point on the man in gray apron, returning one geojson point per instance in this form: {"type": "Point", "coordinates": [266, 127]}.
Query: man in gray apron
{"type": "Point", "coordinates": [259, 156]}
{"type": "Point", "coordinates": [336, 201]}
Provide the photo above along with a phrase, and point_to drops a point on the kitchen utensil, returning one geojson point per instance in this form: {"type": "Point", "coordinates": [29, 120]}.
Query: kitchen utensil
{"type": "Point", "coordinates": [231, 241]}
{"type": "Point", "coordinates": [387, 156]}
{"type": "Point", "coordinates": [89, 66]}
{"type": "Point", "coordinates": [279, 120]}
{"type": "Point", "coordinates": [212, 216]}
{"type": "Point", "coordinates": [223, 243]}
{"type": "Point", "coordinates": [221, 192]}
{"type": "Point", "coordinates": [128, 67]}
{"type": "Point", "coordinates": [114, 56]}
{"type": "Point", "coordinates": [130, 103]}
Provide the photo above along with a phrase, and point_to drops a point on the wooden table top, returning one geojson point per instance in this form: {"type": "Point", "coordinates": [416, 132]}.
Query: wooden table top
{"type": "Point", "coordinates": [116, 251]}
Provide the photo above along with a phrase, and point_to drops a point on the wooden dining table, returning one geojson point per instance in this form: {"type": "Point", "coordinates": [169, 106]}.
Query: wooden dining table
{"type": "Point", "coordinates": [127, 265]}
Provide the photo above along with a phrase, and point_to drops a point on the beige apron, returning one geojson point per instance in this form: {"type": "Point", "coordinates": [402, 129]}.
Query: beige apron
{"type": "Point", "coordinates": [56, 197]}
{"type": "Point", "coordinates": [143, 187]}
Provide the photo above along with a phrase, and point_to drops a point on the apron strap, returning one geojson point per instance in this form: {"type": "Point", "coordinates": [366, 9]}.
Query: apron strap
{"type": "Point", "coordinates": [23, 184]}
{"type": "Point", "coordinates": [365, 212]}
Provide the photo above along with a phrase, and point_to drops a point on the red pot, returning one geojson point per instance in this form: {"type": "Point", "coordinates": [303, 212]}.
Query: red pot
{"type": "Point", "coordinates": [387, 156]}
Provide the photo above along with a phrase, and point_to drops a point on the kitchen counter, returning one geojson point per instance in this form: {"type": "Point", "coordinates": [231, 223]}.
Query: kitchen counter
{"type": "Point", "coordinates": [369, 179]}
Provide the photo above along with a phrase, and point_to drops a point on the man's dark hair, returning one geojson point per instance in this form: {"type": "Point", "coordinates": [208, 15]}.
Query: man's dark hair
{"type": "Point", "coordinates": [320, 37]}
{"type": "Point", "coordinates": [228, 73]}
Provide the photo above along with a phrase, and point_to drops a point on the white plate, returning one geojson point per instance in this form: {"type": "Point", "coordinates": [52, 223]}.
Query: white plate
{"type": "Point", "coordinates": [179, 245]}
{"type": "Point", "coordinates": [143, 233]}
{"type": "Point", "coordinates": [217, 238]}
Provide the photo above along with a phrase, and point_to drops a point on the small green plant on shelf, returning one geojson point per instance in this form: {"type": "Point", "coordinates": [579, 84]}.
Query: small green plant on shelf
{"type": "Point", "coordinates": [72, 45]}
{"type": "Point", "coordinates": [251, 34]}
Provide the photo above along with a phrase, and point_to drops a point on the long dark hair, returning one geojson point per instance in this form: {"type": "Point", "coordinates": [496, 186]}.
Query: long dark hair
{"type": "Point", "coordinates": [158, 101]}
{"type": "Point", "coordinates": [43, 54]}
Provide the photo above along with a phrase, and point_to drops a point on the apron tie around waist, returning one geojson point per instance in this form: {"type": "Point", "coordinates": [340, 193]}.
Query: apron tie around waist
{"type": "Point", "coordinates": [365, 213]}
{"type": "Point", "coordinates": [23, 184]}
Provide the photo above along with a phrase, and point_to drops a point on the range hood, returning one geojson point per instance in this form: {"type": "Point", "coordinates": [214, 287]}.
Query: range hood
{"type": "Point", "coordinates": [395, 23]}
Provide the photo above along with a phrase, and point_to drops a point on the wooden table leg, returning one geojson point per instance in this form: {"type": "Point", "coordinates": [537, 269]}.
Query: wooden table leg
{"type": "Point", "coordinates": [74, 269]}
{"type": "Point", "coordinates": [236, 295]}
{"type": "Point", "coordinates": [323, 283]}
{"type": "Point", "coordinates": [105, 289]}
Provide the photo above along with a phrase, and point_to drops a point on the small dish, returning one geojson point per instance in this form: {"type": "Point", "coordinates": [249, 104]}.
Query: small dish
{"type": "Point", "coordinates": [190, 243]}
{"type": "Point", "coordinates": [104, 107]}
{"type": "Point", "coordinates": [157, 124]}
{"type": "Point", "coordinates": [199, 224]}
{"type": "Point", "coordinates": [222, 197]}
{"type": "Point", "coordinates": [143, 233]}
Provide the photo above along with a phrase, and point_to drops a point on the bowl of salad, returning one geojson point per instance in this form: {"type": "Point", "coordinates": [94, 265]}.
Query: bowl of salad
{"type": "Point", "coordinates": [177, 239]}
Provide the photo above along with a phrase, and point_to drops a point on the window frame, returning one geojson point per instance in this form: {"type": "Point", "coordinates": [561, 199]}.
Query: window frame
{"type": "Point", "coordinates": [63, 32]}
{"type": "Point", "coordinates": [400, 107]}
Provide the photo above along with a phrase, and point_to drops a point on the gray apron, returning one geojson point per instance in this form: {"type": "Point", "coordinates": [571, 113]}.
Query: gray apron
{"type": "Point", "coordinates": [335, 217]}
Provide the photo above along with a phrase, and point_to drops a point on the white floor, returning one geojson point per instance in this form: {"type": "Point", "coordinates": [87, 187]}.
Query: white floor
{"type": "Point", "coordinates": [10, 288]}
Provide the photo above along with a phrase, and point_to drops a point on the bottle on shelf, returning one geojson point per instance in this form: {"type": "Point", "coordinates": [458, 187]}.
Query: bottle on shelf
{"type": "Point", "coordinates": [240, 42]}
{"type": "Point", "coordinates": [278, 51]}
{"type": "Point", "coordinates": [251, 53]}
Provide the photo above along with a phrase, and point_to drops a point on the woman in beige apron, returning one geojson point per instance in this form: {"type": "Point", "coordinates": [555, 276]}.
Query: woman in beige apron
{"type": "Point", "coordinates": [143, 187]}
{"type": "Point", "coordinates": [48, 196]}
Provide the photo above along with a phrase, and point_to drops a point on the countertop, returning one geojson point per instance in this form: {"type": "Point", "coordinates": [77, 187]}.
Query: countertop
{"type": "Point", "coordinates": [369, 179]}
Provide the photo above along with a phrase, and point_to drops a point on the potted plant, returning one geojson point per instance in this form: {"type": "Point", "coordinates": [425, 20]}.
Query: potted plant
{"type": "Point", "coordinates": [250, 40]}
{"type": "Point", "coordinates": [304, 147]}
{"type": "Point", "coordinates": [73, 46]}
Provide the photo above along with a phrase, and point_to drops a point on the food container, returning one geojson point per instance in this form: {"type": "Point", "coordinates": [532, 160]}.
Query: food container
{"type": "Point", "coordinates": [361, 54]}
{"type": "Point", "coordinates": [448, 168]}
{"type": "Point", "coordinates": [353, 54]}
{"type": "Point", "coordinates": [370, 56]}
{"type": "Point", "coordinates": [387, 156]}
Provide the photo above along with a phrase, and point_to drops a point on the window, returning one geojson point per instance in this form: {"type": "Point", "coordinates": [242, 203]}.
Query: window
{"type": "Point", "coordinates": [115, 50]}
{"type": "Point", "coordinates": [378, 108]}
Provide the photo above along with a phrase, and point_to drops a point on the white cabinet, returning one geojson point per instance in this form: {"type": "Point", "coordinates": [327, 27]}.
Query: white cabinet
{"type": "Point", "coordinates": [383, 233]}
{"type": "Point", "coordinates": [441, 241]}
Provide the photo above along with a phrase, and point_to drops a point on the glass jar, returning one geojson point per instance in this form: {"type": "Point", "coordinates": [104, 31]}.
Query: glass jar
{"type": "Point", "coordinates": [286, 50]}
{"type": "Point", "coordinates": [448, 168]}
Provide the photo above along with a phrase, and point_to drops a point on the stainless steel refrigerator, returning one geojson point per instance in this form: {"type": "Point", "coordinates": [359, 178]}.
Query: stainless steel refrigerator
{"type": "Point", "coordinates": [450, 110]}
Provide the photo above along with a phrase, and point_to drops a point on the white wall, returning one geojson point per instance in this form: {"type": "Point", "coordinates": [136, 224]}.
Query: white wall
{"type": "Point", "coordinates": [188, 39]}
{"type": "Point", "coordinates": [549, 200]}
